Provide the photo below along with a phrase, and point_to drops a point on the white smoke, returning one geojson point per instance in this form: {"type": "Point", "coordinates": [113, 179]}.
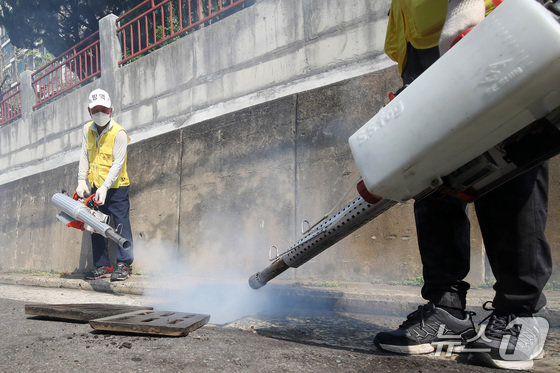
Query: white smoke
{"type": "Point", "coordinates": [197, 284]}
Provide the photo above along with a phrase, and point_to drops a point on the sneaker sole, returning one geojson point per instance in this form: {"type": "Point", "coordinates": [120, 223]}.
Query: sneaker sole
{"type": "Point", "coordinates": [98, 278]}
{"type": "Point", "coordinates": [486, 359]}
{"type": "Point", "coordinates": [119, 278]}
{"type": "Point", "coordinates": [425, 348]}
{"type": "Point", "coordinates": [540, 355]}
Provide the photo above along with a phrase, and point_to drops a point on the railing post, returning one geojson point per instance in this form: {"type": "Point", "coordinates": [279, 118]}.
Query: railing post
{"type": "Point", "coordinates": [110, 51]}
{"type": "Point", "coordinates": [27, 92]}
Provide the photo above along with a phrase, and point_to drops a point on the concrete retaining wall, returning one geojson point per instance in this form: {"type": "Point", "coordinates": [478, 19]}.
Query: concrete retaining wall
{"type": "Point", "coordinates": [231, 150]}
{"type": "Point", "coordinates": [218, 194]}
{"type": "Point", "coordinates": [221, 192]}
{"type": "Point", "coordinates": [269, 50]}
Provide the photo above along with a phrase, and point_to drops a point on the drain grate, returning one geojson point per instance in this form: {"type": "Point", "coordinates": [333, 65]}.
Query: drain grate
{"type": "Point", "coordinates": [82, 312]}
{"type": "Point", "coordinates": [152, 322]}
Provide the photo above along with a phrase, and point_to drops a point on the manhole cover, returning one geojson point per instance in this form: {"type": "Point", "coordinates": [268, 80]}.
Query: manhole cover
{"type": "Point", "coordinates": [152, 322]}
{"type": "Point", "coordinates": [83, 312]}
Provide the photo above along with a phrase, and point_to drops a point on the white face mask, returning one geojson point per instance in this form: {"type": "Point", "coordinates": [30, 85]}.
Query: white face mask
{"type": "Point", "coordinates": [101, 119]}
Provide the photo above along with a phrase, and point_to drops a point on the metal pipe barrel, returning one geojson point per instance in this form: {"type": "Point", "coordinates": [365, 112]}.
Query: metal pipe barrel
{"type": "Point", "coordinates": [343, 223]}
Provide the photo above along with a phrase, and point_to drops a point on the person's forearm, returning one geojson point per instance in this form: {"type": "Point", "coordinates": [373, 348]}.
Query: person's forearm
{"type": "Point", "coordinates": [83, 167]}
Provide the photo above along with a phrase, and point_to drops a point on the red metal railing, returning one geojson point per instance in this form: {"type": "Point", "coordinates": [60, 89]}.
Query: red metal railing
{"type": "Point", "coordinates": [10, 104]}
{"type": "Point", "coordinates": [152, 23]}
{"type": "Point", "coordinates": [75, 66]}
{"type": "Point", "coordinates": [149, 24]}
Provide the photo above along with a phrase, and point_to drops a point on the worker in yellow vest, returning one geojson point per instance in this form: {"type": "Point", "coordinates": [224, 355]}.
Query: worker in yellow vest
{"type": "Point", "coordinates": [103, 165]}
{"type": "Point", "coordinates": [512, 220]}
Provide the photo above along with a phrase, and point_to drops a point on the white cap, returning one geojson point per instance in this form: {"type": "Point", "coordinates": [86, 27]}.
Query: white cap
{"type": "Point", "coordinates": [99, 97]}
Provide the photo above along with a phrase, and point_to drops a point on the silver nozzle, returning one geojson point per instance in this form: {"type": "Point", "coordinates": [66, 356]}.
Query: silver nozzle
{"type": "Point", "coordinates": [259, 279]}
{"type": "Point", "coordinates": [255, 283]}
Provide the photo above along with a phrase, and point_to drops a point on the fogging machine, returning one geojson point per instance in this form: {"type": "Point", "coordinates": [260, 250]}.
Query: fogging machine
{"type": "Point", "coordinates": [83, 214]}
{"type": "Point", "coordinates": [486, 111]}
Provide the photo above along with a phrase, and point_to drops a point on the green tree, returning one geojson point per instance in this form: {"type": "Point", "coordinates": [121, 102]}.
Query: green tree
{"type": "Point", "coordinates": [59, 24]}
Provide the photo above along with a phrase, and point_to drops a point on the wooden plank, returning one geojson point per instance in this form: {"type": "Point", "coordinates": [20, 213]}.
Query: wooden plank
{"type": "Point", "coordinates": [82, 312]}
{"type": "Point", "coordinates": [168, 323]}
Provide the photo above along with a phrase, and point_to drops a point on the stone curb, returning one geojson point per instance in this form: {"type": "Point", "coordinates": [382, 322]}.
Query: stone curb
{"type": "Point", "coordinates": [72, 283]}
{"type": "Point", "coordinates": [374, 299]}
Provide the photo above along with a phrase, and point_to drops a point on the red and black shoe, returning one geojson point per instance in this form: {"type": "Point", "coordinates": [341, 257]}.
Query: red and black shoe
{"type": "Point", "coordinates": [121, 273]}
{"type": "Point", "coordinates": [99, 272]}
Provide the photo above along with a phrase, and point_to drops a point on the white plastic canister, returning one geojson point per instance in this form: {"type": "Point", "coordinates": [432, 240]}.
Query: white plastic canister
{"type": "Point", "coordinates": [501, 77]}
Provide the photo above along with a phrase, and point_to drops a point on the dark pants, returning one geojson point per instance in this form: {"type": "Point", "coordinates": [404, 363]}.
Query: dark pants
{"type": "Point", "coordinates": [117, 205]}
{"type": "Point", "coordinates": [512, 220]}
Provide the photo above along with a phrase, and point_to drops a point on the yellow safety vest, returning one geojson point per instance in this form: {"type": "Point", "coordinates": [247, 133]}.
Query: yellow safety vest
{"type": "Point", "coordinates": [418, 22]}
{"type": "Point", "coordinates": [101, 156]}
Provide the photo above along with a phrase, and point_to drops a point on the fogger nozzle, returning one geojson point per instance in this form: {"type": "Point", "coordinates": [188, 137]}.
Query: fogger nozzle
{"type": "Point", "coordinates": [118, 239]}
{"type": "Point", "coordinates": [255, 282]}
{"type": "Point", "coordinates": [259, 279]}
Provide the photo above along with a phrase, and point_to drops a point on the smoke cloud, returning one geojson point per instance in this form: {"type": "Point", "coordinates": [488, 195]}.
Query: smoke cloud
{"type": "Point", "coordinates": [198, 283]}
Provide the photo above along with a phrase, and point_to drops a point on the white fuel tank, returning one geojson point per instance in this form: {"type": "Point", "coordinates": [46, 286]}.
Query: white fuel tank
{"type": "Point", "coordinates": [501, 77]}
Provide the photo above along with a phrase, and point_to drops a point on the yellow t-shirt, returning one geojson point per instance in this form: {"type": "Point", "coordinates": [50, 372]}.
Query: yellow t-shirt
{"type": "Point", "coordinates": [418, 22]}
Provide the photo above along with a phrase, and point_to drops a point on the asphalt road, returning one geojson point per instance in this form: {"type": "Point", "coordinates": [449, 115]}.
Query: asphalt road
{"type": "Point", "coordinates": [282, 342]}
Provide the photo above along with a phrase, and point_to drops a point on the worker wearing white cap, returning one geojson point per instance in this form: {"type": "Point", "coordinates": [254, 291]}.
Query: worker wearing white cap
{"type": "Point", "coordinates": [103, 164]}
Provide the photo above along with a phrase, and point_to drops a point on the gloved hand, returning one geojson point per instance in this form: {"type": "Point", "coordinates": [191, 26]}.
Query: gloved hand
{"type": "Point", "coordinates": [100, 195]}
{"type": "Point", "coordinates": [461, 15]}
{"type": "Point", "coordinates": [82, 188]}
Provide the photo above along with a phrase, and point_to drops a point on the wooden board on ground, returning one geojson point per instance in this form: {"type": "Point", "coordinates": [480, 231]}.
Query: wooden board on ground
{"type": "Point", "coordinates": [82, 312]}
{"type": "Point", "coordinates": [169, 323]}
